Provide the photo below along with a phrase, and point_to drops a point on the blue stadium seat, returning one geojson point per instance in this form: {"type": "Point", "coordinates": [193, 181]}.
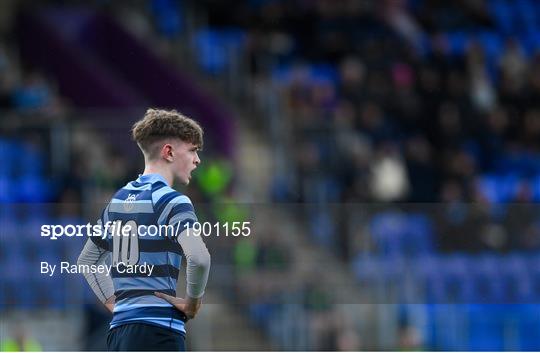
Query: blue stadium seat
{"type": "Point", "coordinates": [486, 327]}
{"type": "Point", "coordinates": [526, 15]}
{"type": "Point", "coordinates": [33, 188]}
{"type": "Point", "coordinates": [399, 234]}
{"type": "Point", "coordinates": [426, 271]}
{"type": "Point", "coordinates": [458, 42]}
{"type": "Point", "coordinates": [445, 279]}
{"type": "Point", "coordinates": [379, 272]}
{"type": "Point", "coordinates": [486, 280]}
{"type": "Point", "coordinates": [214, 48]}
{"type": "Point", "coordinates": [503, 14]}
{"type": "Point", "coordinates": [420, 235]}
{"type": "Point", "coordinates": [34, 161]}
{"type": "Point", "coordinates": [516, 279]}
{"type": "Point", "coordinates": [492, 44]}
{"type": "Point", "coordinates": [528, 325]}
{"type": "Point", "coordinates": [445, 327]}
{"type": "Point", "coordinates": [261, 313]}
{"type": "Point", "coordinates": [324, 73]}
{"type": "Point", "coordinates": [8, 151]}
{"type": "Point", "coordinates": [387, 230]}
{"type": "Point", "coordinates": [534, 266]}
{"type": "Point", "coordinates": [531, 42]}
{"type": "Point", "coordinates": [211, 51]}
{"type": "Point", "coordinates": [6, 187]}
{"type": "Point", "coordinates": [169, 17]}
{"type": "Point", "coordinates": [455, 271]}
{"type": "Point", "coordinates": [497, 188]}
{"type": "Point", "coordinates": [535, 186]}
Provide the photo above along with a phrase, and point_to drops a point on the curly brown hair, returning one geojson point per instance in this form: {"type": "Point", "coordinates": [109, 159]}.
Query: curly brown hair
{"type": "Point", "coordinates": [159, 124]}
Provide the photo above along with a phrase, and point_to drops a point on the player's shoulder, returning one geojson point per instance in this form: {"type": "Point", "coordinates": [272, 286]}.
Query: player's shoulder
{"type": "Point", "coordinates": [167, 195]}
{"type": "Point", "coordinates": [173, 203]}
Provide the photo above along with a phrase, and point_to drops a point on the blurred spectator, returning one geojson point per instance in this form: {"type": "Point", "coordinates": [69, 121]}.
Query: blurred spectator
{"type": "Point", "coordinates": [32, 94]}
{"type": "Point", "coordinates": [20, 341]}
{"type": "Point", "coordinates": [389, 180]}
{"type": "Point", "coordinates": [409, 339]}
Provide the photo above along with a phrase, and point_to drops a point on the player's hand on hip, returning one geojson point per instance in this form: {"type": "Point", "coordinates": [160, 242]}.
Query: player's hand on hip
{"type": "Point", "coordinates": [109, 303]}
{"type": "Point", "coordinates": [189, 306]}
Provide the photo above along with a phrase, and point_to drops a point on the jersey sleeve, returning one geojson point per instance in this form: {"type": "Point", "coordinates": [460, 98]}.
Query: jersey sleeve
{"type": "Point", "coordinates": [101, 241]}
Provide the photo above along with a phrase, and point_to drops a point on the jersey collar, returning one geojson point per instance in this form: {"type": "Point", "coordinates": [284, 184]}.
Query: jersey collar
{"type": "Point", "coordinates": [151, 178]}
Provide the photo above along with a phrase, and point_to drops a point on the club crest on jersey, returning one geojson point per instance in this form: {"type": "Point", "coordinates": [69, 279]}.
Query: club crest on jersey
{"type": "Point", "coordinates": [129, 202]}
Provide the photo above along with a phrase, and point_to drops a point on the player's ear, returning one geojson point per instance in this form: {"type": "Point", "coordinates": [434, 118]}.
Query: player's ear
{"type": "Point", "coordinates": [166, 152]}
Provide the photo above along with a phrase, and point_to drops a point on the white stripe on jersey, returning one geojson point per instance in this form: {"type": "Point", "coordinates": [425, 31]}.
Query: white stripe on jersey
{"type": "Point", "coordinates": [135, 206]}
{"type": "Point", "coordinates": [157, 195]}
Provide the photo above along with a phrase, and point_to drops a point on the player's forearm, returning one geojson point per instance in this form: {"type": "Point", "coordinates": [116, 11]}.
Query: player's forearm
{"type": "Point", "coordinates": [197, 264]}
{"type": "Point", "coordinates": [100, 283]}
{"type": "Point", "coordinates": [197, 270]}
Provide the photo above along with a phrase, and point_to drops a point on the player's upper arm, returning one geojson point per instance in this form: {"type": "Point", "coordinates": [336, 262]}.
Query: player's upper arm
{"type": "Point", "coordinates": [91, 254]}
{"type": "Point", "coordinates": [100, 241]}
{"type": "Point", "coordinates": [100, 283]}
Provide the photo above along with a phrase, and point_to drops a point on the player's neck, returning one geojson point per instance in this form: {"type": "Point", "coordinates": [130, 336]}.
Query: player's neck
{"type": "Point", "coordinates": [152, 169]}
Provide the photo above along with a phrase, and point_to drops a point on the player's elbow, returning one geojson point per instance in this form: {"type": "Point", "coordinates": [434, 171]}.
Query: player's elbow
{"type": "Point", "coordinates": [82, 260]}
{"type": "Point", "coordinates": [201, 259]}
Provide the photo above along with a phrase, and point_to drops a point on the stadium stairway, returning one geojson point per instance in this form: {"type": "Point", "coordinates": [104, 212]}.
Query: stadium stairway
{"type": "Point", "coordinates": [221, 326]}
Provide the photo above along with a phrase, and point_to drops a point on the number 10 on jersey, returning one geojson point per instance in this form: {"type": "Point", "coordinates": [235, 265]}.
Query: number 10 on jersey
{"type": "Point", "coordinates": [126, 245]}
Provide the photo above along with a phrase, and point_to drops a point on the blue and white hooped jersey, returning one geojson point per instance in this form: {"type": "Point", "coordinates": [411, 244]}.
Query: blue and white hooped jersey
{"type": "Point", "coordinates": [147, 259]}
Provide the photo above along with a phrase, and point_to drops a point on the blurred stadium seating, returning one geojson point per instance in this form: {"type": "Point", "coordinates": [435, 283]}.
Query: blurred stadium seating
{"type": "Point", "coordinates": [405, 134]}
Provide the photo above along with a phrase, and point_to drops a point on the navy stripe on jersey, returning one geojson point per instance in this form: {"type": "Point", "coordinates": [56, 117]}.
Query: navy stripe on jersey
{"type": "Point", "coordinates": [154, 311]}
{"type": "Point", "coordinates": [162, 245]}
{"type": "Point", "coordinates": [157, 245]}
{"type": "Point", "coordinates": [181, 208]}
{"type": "Point", "coordinates": [131, 293]}
{"type": "Point", "coordinates": [164, 201]}
{"type": "Point", "coordinates": [102, 243]}
{"type": "Point", "coordinates": [158, 271]}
